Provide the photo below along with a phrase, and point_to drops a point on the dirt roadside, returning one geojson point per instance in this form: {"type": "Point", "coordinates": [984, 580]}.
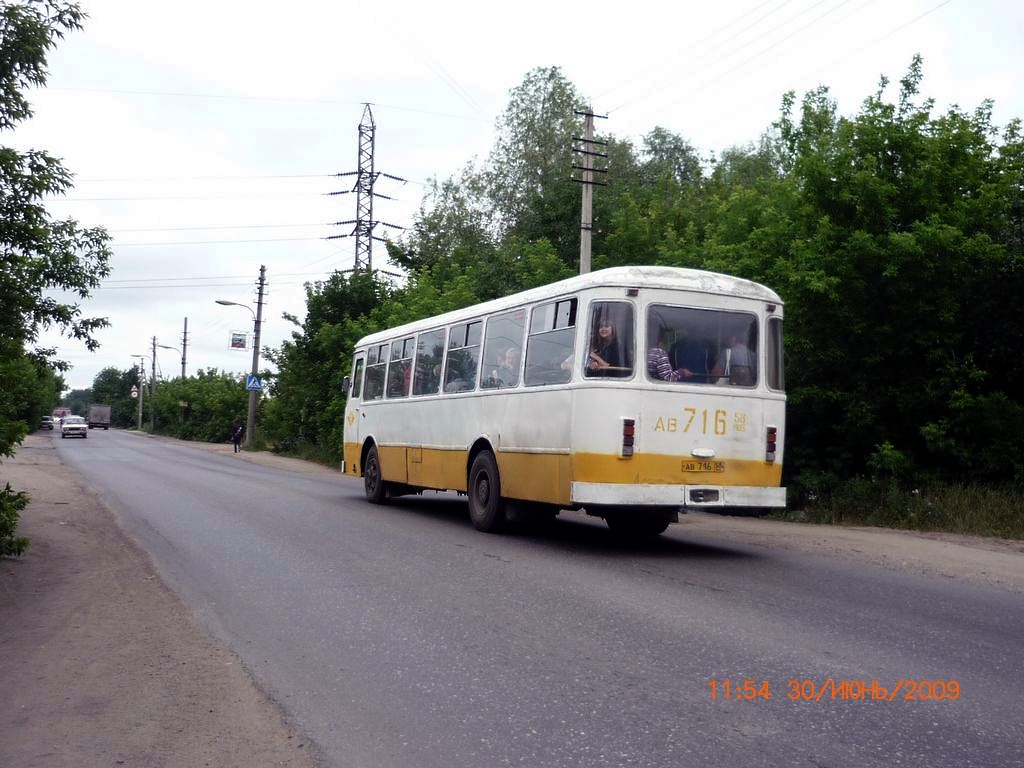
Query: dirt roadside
{"type": "Point", "coordinates": [102, 665]}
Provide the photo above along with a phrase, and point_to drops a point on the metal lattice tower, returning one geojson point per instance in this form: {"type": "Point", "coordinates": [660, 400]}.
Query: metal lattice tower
{"type": "Point", "coordinates": [366, 176]}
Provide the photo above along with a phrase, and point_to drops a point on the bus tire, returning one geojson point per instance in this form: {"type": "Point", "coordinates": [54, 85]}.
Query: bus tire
{"type": "Point", "coordinates": [486, 507]}
{"type": "Point", "coordinates": [373, 482]}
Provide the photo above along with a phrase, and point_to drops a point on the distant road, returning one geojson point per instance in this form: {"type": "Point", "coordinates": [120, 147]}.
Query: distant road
{"type": "Point", "coordinates": [399, 636]}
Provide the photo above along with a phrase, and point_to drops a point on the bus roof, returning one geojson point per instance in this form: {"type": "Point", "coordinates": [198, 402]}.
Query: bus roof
{"type": "Point", "coordinates": [678, 278]}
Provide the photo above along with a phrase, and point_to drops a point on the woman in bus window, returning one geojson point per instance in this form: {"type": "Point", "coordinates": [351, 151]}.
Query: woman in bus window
{"type": "Point", "coordinates": [606, 350]}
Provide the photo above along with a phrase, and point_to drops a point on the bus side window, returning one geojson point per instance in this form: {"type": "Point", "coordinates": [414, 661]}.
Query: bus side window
{"type": "Point", "coordinates": [550, 346]}
{"type": "Point", "coordinates": [357, 378]}
{"type": "Point", "coordinates": [503, 346]}
{"type": "Point", "coordinates": [400, 370]}
{"type": "Point", "coordinates": [426, 378]}
{"type": "Point", "coordinates": [463, 357]}
{"type": "Point", "coordinates": [376, 364]}
{"type": "Point", "coordinates": [774, 368]}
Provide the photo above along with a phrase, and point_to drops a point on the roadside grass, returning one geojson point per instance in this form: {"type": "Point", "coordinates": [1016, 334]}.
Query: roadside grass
{"type": "Point", "coordinates": [975, 510]}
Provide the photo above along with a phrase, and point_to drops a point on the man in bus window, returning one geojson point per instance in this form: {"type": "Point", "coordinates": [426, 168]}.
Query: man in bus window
{"type": "Point", "coordinates": [508, 368]}
{"type": "Point", "coordinates": [735, 363]}
{"type": "Point", "coordinates": [658, 363]}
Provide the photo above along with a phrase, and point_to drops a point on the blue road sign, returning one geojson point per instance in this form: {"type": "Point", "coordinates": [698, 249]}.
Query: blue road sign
{"type": "Point", "coordinates": [253, 383]}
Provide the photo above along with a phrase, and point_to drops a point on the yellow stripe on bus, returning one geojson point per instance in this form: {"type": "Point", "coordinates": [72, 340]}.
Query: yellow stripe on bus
{"type": "Point", "coordinates": [661, 469]}
{"type": "Point", "coordinates": [548, 476]}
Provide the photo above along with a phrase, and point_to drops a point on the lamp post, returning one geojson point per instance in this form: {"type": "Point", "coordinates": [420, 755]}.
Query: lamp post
{"type": "Point", "coordinates": [164, 346]}
{"type": "Point", "coordinates": [142, 387]}
{"type": "Point", "coordinates": [250, 422]}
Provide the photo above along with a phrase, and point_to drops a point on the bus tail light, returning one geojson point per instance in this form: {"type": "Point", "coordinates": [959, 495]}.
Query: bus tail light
{"type": "Point", "coordinates": [628, 436]}
{"type": "Point", "coordinates": [770, 443]}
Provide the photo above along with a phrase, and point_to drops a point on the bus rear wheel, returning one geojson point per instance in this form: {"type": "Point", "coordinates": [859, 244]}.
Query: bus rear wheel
{"type": "Point", "coordinates": [486, 507]}
{"type": "Point", "coordinates": [373, 483]}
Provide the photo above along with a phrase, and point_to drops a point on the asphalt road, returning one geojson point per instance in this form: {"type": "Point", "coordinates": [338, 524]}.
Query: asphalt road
{"type": "Point", "coordinates": [399, 636]}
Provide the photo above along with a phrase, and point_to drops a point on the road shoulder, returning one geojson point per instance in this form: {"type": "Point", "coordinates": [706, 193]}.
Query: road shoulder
{"type": "Point", "coordinates": [101, 664]}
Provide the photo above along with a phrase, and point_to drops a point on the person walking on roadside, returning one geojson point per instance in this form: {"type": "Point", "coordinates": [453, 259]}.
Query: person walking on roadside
{"type": "Point", "coordinates": [237, 430]}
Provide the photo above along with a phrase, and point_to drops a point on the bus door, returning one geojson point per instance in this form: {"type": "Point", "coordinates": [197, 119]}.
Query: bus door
{"type": "Point", "coordinates": [353, 430]}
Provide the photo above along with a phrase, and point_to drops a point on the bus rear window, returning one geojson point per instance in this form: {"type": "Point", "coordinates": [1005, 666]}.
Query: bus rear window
{"type": "Point", "coordinates": [702, 346]}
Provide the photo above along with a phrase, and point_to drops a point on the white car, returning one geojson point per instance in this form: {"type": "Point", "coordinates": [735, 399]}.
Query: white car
{"type": "Point", "coordinates": [74, 426]}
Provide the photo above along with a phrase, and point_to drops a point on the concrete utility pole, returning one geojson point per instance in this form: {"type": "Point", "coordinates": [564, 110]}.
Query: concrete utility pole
{"type": "Point", "coordinates": [366, 176]}
{"type": "Point", "coordinates": [184, 347]}
{"type": "Point", "coordinates": [588, 142]}
{"type": "Point", "coordinates": [142, 384]}
{"type": "Point", "coordinates": [250, 422]}
{"type": "Point", "coordinates": [152, 391]}
{"type": "Point", "coordinates": [257, 319]}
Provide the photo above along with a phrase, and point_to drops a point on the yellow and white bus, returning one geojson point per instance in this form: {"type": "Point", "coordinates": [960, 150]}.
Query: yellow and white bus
{"type": "Point", "coordinates": [631, 393]}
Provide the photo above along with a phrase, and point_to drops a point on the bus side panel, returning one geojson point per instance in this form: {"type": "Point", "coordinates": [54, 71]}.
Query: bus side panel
{"type": "Point", "coordinates": [392, 463]}
{"type": "Point", "coordinates": [535, 476]}
{"type": "Point", "coordinates": [435, 468]}
{"type": "Point", "coordinates": [350, 463]}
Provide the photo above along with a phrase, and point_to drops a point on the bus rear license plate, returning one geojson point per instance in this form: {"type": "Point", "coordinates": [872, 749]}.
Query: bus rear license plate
{"type": "Point", "coordinates": [703, 466]}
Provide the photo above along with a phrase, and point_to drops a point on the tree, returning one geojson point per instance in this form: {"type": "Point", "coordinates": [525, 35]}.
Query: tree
{"type": "Point", "coordinates": [884, 238]}
{"type": "Point", "coordinates": [305, 410]}
{"type": "Point", "coordinates": [113, 387]}
{"type": "Point", "coordinates": [37, 254]}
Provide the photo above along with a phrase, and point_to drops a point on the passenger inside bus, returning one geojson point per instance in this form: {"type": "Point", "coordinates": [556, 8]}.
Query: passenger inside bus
{"type": "Point", "coordinates": [607, 355]}
{"type": "Point", "coordinates": [691, 354]}
{"type": "Point", "coordinates": [507, 373]}
{"type": "Point", "coordinates": [735, 364]}
{"type": "Point", "coordinates": [659, 364]}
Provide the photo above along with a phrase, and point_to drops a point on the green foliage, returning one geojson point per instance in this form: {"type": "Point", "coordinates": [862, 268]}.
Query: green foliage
{"type": "Point", "coordinates": [29, 390]}
{"type": "Point", "coordinates": [113, 387]}
{"type": "Point", "coordinates": [306, 407]}
{"type": "Point", "coordinates": [37, 254]}
{"type": "Point", "coordinates": [200, 407]}
{"type": "Point", "coordinates": [78, 401]}
{"type": "Point", "coordinates": [975, 509]}
{"type": "Point", "coordinates": [11, 504]}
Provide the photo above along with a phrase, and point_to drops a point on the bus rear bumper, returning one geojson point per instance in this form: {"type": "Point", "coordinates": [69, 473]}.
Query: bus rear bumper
{"type": "Point", "coordinates": [714, 497]}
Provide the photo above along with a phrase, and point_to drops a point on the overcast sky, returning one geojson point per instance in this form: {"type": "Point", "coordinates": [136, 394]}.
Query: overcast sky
{"type": "Point", "coordinates": [204, 135]}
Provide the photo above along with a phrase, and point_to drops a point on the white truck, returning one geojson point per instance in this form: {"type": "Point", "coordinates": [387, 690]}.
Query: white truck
{"type": "Point", "coordinates": [99, 416]}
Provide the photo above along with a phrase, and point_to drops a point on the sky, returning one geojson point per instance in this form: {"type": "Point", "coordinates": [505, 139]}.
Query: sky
{"type": "Point", "coordinates": [207, 137]}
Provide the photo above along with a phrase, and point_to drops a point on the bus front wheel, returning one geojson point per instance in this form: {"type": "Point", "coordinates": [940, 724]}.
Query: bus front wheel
{"type": "Point", "coordinates": [373, 483]}
{"type": "Point", "coordinates": [486, 507]}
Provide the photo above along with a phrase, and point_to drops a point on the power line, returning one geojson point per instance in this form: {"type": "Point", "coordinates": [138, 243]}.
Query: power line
{"type": "Point", "coordinates": [220, 242]}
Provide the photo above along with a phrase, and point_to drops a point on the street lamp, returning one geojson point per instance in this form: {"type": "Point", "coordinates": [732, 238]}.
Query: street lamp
{"type": "Point", "coordinates": [164, 346]}
{"type": "Point", "coordinates": [250, 422]}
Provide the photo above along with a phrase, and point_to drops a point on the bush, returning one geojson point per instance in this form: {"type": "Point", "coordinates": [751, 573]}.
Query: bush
{"type": "Point", "coordinates": [11, 504]}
